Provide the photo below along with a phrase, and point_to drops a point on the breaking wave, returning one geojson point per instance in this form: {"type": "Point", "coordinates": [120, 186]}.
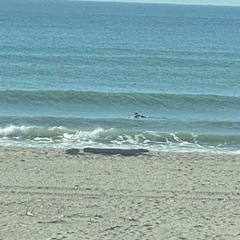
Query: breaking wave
{"type": "Point", "coordinates": [63, 137]}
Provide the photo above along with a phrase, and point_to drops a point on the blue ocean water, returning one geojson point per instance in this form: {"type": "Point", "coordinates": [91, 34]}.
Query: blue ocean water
{"type": "Point", "coordinates": [73, 73]}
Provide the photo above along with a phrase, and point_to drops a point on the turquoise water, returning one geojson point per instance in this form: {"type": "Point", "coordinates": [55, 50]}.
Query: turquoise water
{"type": "Point", "coordinates": [72, 74]}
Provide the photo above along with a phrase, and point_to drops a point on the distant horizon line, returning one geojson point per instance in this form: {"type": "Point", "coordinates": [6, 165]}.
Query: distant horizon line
{"type": "Point", "coordinates": [140, 2]}
{"type": "Point", "coordinates": [153, 2]}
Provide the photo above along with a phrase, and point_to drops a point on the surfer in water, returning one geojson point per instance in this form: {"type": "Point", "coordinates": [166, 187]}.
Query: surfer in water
{"type": "Point", "coordinates": [136, 115]}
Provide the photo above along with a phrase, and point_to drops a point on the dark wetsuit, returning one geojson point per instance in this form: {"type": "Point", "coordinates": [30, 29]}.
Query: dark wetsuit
{"type": "Point", "coordinates": [136, 115]}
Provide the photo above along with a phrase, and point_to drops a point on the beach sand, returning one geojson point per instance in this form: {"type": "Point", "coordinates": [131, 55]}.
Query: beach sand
{"type": "Point", "coordinates": [48, 194]}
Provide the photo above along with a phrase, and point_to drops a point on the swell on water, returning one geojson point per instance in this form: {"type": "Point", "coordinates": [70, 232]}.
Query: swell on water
{"type": "Point", "coordinates": [55, 97]}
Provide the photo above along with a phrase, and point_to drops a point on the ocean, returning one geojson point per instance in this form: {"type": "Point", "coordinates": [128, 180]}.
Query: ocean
{"type": "Point", "coordinates": [73, 73]}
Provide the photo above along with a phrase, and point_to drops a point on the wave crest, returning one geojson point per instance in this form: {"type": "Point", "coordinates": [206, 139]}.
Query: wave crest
{"type": "Point", "coordinates": [59, 98]}
{"type": "Point", "coordinates": [60, 136]}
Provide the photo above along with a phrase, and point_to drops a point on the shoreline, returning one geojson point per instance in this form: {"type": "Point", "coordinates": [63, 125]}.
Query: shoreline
{"type": "Point", "coordinates": [48, 194]}
{"type": "Point", "coordinates": [150, 150]}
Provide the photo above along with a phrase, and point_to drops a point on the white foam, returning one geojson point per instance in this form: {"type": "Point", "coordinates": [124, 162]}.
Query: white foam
{"type": "Point", "coordinates": [12, 130]}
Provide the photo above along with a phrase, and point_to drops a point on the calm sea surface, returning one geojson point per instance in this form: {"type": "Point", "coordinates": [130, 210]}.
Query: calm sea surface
{"type": "Point", "coordinates": [72, 74]}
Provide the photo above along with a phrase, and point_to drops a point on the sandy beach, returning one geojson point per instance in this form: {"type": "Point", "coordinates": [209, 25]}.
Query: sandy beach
{"type": "Point", "coordinates": [48, 194]}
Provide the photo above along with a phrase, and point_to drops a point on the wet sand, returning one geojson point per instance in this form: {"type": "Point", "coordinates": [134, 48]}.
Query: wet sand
{"type": "Point", "coordinates": [48, 194]}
